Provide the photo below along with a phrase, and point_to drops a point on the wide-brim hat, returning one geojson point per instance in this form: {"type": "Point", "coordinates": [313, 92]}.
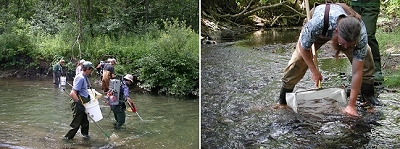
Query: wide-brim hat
{"type": "Point", "coordinates": [129, 77]}
{"type": "Point", "coordinates": [112, 60]}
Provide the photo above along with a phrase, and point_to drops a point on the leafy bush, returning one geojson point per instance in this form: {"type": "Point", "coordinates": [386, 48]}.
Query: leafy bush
{"type": "Point", "coordinates": [172, 63]}
{"type": "Point", "coordinates": [16, 47]}
{"type": "Point", "coordinates": [391, 7]}
{"type": "Point", "coordinates": [164, 59]}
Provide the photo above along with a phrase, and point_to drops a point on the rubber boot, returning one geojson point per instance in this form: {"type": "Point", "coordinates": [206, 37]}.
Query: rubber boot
{"type": "Point", "coordinates": [282, 95]}
{"type": "Point", "coordinates": [367, 93]}
{"type": "Point", "coordinates": [378, 77]}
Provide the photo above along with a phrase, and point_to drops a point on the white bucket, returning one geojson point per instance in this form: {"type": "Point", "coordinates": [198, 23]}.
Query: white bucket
{"type": "Point", "coordinates": [63, 80]}
{"type": "Point", "coordinates": [93, 110]}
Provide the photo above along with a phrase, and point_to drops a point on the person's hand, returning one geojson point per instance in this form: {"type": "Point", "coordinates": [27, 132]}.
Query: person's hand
{"type": "Point", "coordinates": [129, 100]}
{"type": "Point", "coordinates": [316, 77]}
{"type": "Point", "coordinates": [131, 104]}
{"type": "Point", "coordinates": [109, 93]}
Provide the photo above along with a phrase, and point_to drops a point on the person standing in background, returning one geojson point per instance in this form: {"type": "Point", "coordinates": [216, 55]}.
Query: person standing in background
{"type": "Point", "coordinates": [78, 69]}
{"type": "Point", "coordinates": [369, 11]}
{"type": "Point", "coordinates": [57, 72]}
{"type": "Point", "coordinates": [100, 68]}
{"type": "Point", "coordinates": [108, 73]}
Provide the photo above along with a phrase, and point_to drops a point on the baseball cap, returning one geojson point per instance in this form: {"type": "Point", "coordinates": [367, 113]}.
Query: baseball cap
{"type": "Point", "coordinates": [87, 64]}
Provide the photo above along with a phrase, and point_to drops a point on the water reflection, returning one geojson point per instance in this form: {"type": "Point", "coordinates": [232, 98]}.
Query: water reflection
{"type": "Point", "coordinates": [269, 37]}
{"type": "Point", "coordinates": [34, 114]}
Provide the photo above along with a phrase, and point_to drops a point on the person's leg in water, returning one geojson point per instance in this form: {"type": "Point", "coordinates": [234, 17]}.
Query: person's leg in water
{"type": "Point", "coordinates": [79, 120]}
{"type": "Point", "coordinates": [119, 115]}
{"type": "Point", "coordinates": [295, 71]}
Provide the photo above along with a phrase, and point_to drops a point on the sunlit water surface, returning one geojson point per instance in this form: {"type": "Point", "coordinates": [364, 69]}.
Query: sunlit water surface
{"type": "Point", "coordinates": [34, 114]}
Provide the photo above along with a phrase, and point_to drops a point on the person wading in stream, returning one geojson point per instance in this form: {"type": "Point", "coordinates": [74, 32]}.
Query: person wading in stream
{"type": "Point", "coordinates": [57, 72]}
{"type": "Point", "coordinates": [108, 73]}
{"type": "Point", "coordinates": [120, 107]}
{"type": "Point", "coordinates": [80, 96]}
{"type": "Point", "coordinates": [78, 69]}
{"type": "Point", "coordinates": [100, 68]}
{"type": "Point", "coordinates": [344, 28]}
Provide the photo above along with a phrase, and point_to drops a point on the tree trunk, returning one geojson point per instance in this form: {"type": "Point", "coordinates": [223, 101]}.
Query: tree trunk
{"type": "Point", "coordinates": [147, 11]}
{"type": "Point", "coordinates": [89, 17]}
{"type": "Point", "coordinates": [79, 21]}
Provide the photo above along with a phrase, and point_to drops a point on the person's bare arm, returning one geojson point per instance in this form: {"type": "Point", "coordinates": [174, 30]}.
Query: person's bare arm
{"type": "Point", "coordinates": [357, 73]}
{"type": "Point", "coordinates": [357, 67]}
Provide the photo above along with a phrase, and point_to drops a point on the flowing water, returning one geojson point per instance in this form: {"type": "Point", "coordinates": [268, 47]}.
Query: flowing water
{"type": "Point", "coordinates": [240, 83]}
{"type": "Point", "coordinates": [34, 114]}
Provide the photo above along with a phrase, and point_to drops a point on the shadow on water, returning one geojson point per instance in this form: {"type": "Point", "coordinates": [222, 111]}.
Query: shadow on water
{"type": "Point", "coordinates": [34, 114]}
{"type": "Point", "coordinates": [240, 85]}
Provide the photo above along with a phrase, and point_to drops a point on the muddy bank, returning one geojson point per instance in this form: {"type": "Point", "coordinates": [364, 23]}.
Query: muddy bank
{"type": "Point", "coordinates": [28, 73]}
{"type": "Point", "coordinates": [223, 31]}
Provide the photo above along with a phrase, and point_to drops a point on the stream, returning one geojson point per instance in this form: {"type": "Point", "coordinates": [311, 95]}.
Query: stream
{"type": "Point", "coordinates": [35, 114]}
{"type": "Point", "coordinates": [240, 83]}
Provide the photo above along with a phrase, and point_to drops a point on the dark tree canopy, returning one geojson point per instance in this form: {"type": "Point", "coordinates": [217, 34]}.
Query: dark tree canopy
{"type": "Point", "coordinates": [113, 17]}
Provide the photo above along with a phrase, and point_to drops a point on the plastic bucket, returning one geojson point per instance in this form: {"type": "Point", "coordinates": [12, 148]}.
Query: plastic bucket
{"type": "Point", "coordinates": [93, 110]}
{"type": "Point", "coordinates": [63, 81]}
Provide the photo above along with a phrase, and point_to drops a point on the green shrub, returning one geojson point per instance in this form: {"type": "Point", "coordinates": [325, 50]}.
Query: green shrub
{"type": "Point", "coordinates": [16, 47]}
{"type": "Point", "coordinates": [172, 64]}
{"type": "Point", "coordinates": [164, 59]}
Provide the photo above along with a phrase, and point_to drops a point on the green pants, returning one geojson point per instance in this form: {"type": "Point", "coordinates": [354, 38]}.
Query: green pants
{"type": "Point", "coordinates": [297, 67]}
{"type": "Point", "coordinates": [80, 119]}
{"type": "Point", "coordinates": [119, 114]}
{"type": "Point", "coordinates": [369, 10]}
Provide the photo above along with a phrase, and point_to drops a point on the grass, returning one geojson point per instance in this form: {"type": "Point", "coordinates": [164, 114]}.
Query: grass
{"type": "Point", "coordinates": [389, 43]}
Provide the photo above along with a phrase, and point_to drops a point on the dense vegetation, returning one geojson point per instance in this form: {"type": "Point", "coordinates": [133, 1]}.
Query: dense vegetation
{"type": "Point", "coordinates": [227, 18]}
{"type": "Point", "coordinates": [157, 41]}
